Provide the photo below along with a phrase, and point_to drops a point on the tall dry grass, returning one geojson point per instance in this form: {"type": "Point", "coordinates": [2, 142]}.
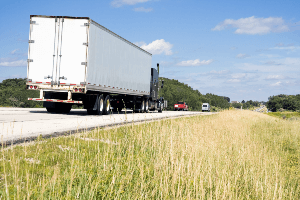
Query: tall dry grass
{"type": "Point", "coordinates": [231, 155]}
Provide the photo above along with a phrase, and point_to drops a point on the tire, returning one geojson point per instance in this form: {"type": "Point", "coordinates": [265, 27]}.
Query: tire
{"type": "Point", "coordinates": [50, 110]}
{"type": "Point", "coordinates": [140, 106]}
{"type": "Point", "coordinates": [60, 108]}
{"type": "Point", "coordinates": [66, 108]}
{"type": "Point", "coordinates": [106, 105]}
{"type": "Point", "coordinates": [100, 105]}
{"type": "Point", "coordinates": [146, 110]}
{"type": "Point", "coordinates": [161, 108]}
{"type": "Point", "coordinates": [91, 112]}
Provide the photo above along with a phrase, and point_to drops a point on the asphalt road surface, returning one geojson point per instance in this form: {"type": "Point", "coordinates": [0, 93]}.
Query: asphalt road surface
{"type": "Point", "coordinates": [21, 124]}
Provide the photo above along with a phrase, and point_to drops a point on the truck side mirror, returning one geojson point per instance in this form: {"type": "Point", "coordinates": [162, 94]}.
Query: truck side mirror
{"type": "Point", "coordinates": [162, 84]}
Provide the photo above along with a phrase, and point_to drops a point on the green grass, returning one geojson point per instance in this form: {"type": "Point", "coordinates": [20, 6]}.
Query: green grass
{"type": "Point", "coordinates": [231, 155]}
{"type": "Point", "coordinates": [286, 115]}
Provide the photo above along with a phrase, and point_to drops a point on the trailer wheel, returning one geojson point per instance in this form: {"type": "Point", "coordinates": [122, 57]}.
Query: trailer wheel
{"type": "Point", "coordinates": [50, 110]}
{"type": "Point", "coordinates": [106, 105]}
{"type": "Point", "coordinates": [66, 108]}
{"type": "Point", "coordinates": [100, 105]}
{"type": "Point", "coordinates": [147, 106]}
{"type": "Point", "coordinates": [142, 106]}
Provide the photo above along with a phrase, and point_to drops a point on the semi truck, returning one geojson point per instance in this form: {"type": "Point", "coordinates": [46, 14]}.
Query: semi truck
{"type": "Point", "coordinates": [76, 61]}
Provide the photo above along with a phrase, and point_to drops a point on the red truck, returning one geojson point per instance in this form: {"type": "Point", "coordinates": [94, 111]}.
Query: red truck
{"type": "Point", "coordinates": [181, 106]}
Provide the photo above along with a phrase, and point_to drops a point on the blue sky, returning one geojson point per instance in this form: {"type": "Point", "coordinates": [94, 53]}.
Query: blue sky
{"type": "Point", "coordinates": [240, 49]}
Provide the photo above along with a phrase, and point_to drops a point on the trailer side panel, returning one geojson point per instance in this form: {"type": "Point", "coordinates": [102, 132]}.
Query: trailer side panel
{"type": "Point", "coordinates": [116, 65]}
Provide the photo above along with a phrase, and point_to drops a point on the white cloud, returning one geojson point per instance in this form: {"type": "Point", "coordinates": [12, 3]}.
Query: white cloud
{"type": "Point", "coordinates": [274, 77]}
{"type": "Point", "coordinates": [14, 51]}
{"type": "Point", "coordinates": [238, 75]}
{"type": "Point", "coordinates": [242, 55]}
{"type": "Point", "coordinates": [158, 47]}
{"type": "Point", "coordinates": [234, 80]}
{"type": "Point", "coordinates": [17, 63]}
{"type": "Point", "coordinates": [253, 25]}
{"type": "Point", "coordinates": [119, 3]}
{"type": "Point", "coordinates": [269, 55]}
{"type": "Point", "coordinates": [139, 43]}
{"type": "Point", "coordinates": [286, 48]}
{"type": "Point", "coordinates": [219, 72]}
{"type": "Point", "coordinates": [276, 84]}
{"type": "Point", "coordinates": [142, 9]}
{"type": "Point", "coordinates": [196, 62]}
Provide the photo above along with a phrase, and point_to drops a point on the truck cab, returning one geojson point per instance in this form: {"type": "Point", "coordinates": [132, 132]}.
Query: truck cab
{"type": "Point", "coordinates": [205, 107]}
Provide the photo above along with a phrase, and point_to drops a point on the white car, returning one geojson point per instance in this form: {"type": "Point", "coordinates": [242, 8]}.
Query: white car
{"type": "Point", "coordinates": [205, 107]}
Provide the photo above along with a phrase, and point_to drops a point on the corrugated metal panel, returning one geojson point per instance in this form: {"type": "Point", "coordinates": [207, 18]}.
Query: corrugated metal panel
{"type": "Point", "coordinates": [113, 62]}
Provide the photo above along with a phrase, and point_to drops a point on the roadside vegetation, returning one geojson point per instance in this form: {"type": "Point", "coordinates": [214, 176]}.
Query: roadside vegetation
{"type": "Point", "coordinates": [284, 102]}
{"type": "Point", "coordinates": [250, 105]}
{"type": "Point", "coordinates": [13, 93]}
{"type": "Point", "coordinates": [231, 155]}
{"type": "Point", "coordinates": [286, 115]}
{"type": "Point", "coordinates": [174, 91]}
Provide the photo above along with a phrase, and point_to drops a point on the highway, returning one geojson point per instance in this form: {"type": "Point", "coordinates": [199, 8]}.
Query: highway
{"type": "Point", "coordinates": [24, 124]}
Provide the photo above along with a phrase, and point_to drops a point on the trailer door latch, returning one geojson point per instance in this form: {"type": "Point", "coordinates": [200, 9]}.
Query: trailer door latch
{"type": "Point", "coordinates": [63, 77]}
{"type": "Point", "coordinates": [83, 63]}
{"type": "Point", "coordinates": [46, 77]}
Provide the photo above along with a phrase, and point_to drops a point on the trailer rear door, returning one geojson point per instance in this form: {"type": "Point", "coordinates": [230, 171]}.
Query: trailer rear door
{"type": "Point", "coordinates": [57, 50]}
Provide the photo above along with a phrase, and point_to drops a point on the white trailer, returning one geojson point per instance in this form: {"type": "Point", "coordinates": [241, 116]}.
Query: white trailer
{"type": "Point", "coordinates": [205, 107]}
{"type": "Point", "coordinates": [75, 60]}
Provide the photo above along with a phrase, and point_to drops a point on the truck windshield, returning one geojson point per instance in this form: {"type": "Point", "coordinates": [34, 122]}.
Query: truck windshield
{"type": "Point", "coordinates": [180, 103]}
{"type": "Point", "coordinates": [204, 106]}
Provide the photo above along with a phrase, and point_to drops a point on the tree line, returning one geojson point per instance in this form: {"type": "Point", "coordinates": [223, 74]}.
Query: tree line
{"type": "Point", "coordinates": [284, 102]}
{"type": "Point", "coordinates": [174, 91]}
{"type": "Point", "coordinates": [246, 104]}
{"type": "Point", "coordinates": [13, 93]}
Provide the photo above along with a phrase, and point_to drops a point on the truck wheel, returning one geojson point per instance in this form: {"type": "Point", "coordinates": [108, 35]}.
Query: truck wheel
{"type": "Point", "coordinates": [100, 105]}
{"type": "Point", "coordinates": [147, 106]}
{"type": "Point", "coordinates": [106, 105]}
{"type": "Point", "coordinates": [142, 107]}
{"type": "Point", "coordinates": [50, 110]}
{"type": "Point", "coordinates": [161, 108]}
{"type": "Point", "coordinates": [66, 108]}
{"type": "Point", "coordinates": [91, 112]}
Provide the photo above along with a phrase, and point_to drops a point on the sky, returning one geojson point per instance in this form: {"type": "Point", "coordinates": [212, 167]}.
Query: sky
{"type": "Point", "coordinates": [245, 50]}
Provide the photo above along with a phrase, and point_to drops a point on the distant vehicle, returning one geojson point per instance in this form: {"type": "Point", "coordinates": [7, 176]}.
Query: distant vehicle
{"type": "Point", "coordinates": [205, 107]}
{"type": "Point", "coordinates": [181, 106]}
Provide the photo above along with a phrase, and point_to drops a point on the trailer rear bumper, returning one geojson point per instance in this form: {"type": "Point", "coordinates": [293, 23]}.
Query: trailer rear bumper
{"type": "Point", "coordinates": [55, 100]}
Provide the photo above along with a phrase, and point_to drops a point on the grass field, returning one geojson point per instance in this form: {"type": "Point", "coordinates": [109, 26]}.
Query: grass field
{"type": "Point", "coordinates": [231, 155]}
{"type": "Point", "coordinates": [286, 115]}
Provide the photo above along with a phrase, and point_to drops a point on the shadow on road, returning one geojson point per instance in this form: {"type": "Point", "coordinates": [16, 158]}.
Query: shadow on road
{"type": "Point", "coordinates": [78, 112]}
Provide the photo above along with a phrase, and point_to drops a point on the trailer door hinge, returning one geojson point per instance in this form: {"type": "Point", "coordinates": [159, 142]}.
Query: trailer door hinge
{"type": "Point", "coordinates": [86, 24]}
{"type": "Point", "coordinates": [85, 44]}
{"type": "Point", "coordinates": [29, 60]}
{"type": "Point", "coordinates": [32, 22]}
{"type": "Point", "coordinates": [83, 63]}
{"type": "Point", "coordinates": [31, 41]}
